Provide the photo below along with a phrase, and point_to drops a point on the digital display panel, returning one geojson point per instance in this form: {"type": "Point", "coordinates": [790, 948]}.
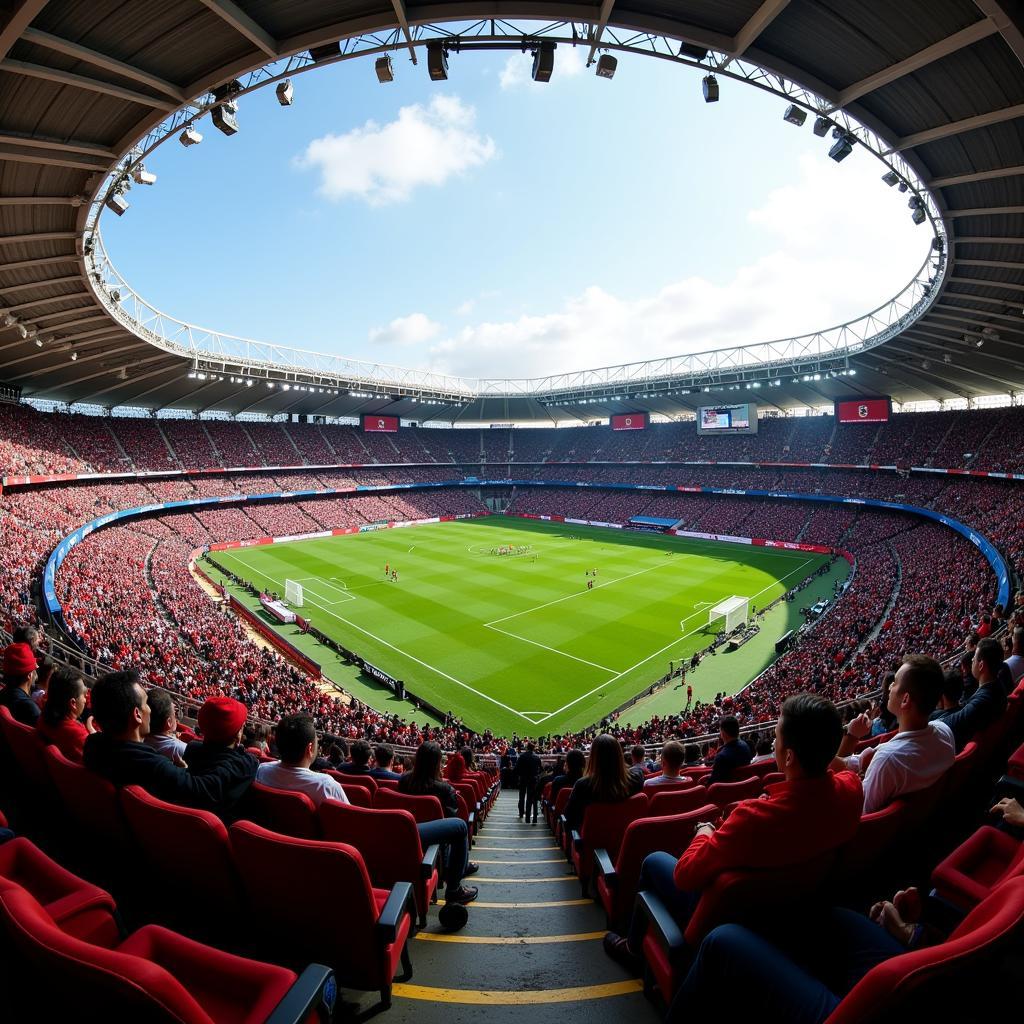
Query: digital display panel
{"type": "Point", "coordinates": [727, 419]}
{"type": "Point", "coordinates": [630, 421]}
{"type": "Point", "coordinates": [864, 410]}
{"type": "Point", "coordinates": [380, 424]}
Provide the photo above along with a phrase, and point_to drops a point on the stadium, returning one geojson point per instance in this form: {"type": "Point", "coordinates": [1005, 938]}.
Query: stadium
{"type": "Point", "coordinates": [335, 688]}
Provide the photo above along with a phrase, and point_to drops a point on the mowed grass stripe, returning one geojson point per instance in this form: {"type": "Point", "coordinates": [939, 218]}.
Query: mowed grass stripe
{"type": "Point", "coordinates": [438, 610]}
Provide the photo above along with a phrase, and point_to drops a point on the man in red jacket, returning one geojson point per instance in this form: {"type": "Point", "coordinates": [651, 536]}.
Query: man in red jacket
{"type": "Point", "coordinates": [813, 811]}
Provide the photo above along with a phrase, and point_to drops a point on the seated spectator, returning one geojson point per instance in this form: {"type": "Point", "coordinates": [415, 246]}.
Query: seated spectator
{"type": "Point", "coordinates": [692, 757]}
{"type": "Point", "coordinates": [121, 710]}
{"type": "Point", "coordinates": [920, 753]}
{"type": "Point", "coordinates": [671, 763]}
{"type": "Point", "coordinates": [1015, 662]}
{"type": "Point", "coordinates": [606, 780]}
{"type": "Point", "coordinates": [885, 720]}
{"type": "Point", "coordinates": [988, 701]}
{"type": "Point", "coordinates": [163, 726]}
{"type": "Point", "coordinates": [383, 756]}
{"type": "Point", "coordinates": [763, 751]}
{"type": "Point", "coordinates": [952, 692]}
{"type": "Point", "coordinates": [451, 832]}
{"type": "Point", "coordinates": [550, 774]}
{"type": "Point", "coordinates": [732, 754]}
{"type": "Point", "coordinates": [19, 678]}
{"type": "Point", "coordinates": [221, 721]}
{"type": "Point", "coordinates": [813, 811]}
{"type": "Point", "coordinates": [255, 739]}
{"type": "Point", "coordinates": [44, 672]}
{"type": "Point", "coordinates": [59, 723]}
{"type": "Point", "coordinates": [297, 747]}
{"type": "Point", "coordinates": [359, 763]}
{"type": "Point", "coordinates": [638, 764]}
{"type": "Point", "coordinates": [575, 763]}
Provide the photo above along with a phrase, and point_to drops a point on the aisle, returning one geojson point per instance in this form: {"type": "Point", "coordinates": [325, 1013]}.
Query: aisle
{"type": "Point", "coordinates": [531, 950]}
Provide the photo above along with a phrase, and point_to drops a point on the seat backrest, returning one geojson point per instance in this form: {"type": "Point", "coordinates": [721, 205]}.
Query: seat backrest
{"type": "Point", "coordinates": [723, 793]}
{"type": "Point", "coordinates": [677, 801]}
{"type": "Point", "coordinates": [358, 794]}
{"type": "Point", "coordinates": [671, 833]}
{"type": "Point", "coordinates": [388, 840]}
{"type": "Point", "coordinates": [368, 782]}
{"type": "Point", "coordinates": [422, 808]}
{"type": "Point", "coordinates": [605, 824]}
{"type": "Point", "coordinates": [875, 833]}
{"type": "Point", "coordinates": [282, 810]}
{"type": "Point", "coordinates": [89, 799]}
{"type": "Point", "coordinates": [896, 984]}
{"type": "Point", "coordinates": [466, 791]}
{"type": "Point", "coordinates": [89, 976]}
{"type": "Point", "coordinates": [27, 747]}
{"type": "Point", "coordinates": [190, 848]}
{"type": "Point", "coordinates": [387, 783]}
{"type": "Point", "coordinates": [960, 772]}
{"type": "Point", "coordinates": [562, 799]}
{"type": "Point", "coordinates": [669, 787]}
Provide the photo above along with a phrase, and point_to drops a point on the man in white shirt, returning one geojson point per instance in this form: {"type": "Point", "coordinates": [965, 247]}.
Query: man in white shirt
{"type": "Point", "coordinates": [920, 752]}
{"type": "Point", "coordinates": [163, 727]}
{"type": "Point", "coordinates": [1015, 662]}
{"type": "Point", "coordinates": [297, 747]}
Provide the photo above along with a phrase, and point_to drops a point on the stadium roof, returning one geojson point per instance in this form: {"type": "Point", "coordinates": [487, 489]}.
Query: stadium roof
{"type": "Point", "coordinates": [940, 82]}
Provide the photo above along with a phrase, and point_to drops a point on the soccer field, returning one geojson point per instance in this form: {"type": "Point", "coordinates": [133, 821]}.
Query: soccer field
{"type": "Point", "coordinates": [518, 643]}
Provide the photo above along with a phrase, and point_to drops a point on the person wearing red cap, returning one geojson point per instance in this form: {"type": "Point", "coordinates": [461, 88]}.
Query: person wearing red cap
{"type": "Point", "coordinates": [221, 721]}
{"type": "Point", "coordinates": [19, 677]}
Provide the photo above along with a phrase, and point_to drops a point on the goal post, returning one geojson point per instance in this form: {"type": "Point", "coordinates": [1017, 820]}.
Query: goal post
{"type": "Point", "coordinates": [732, 612]}
{"type": "Point", "coordinates": [293, 593]}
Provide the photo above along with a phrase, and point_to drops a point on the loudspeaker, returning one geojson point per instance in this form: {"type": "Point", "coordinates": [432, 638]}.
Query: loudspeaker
{"type": "Point", "coordinates": [544, 62]}
{"type": "Point", "coordinates": [437, 62]}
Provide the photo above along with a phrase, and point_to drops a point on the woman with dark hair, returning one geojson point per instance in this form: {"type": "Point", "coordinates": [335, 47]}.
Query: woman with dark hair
{"type": "Point", "coordinates": [450, 832]}
{"type": "Point", "coordinates": [886, 720]}
{"type": "Point", "coordinates": [59, 723]}
{"type": "Point", "coordinates": [607, 780]}
{"type": "Point", "coordinates": [575, 764]}
{"type": "Point", "coordinates": [44, 673]}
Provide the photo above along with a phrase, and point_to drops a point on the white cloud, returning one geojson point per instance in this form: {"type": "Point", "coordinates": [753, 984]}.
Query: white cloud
{"type": "Point", "coordinates": [518, 69]}
{"type": "Point", "coordinates": [838, 244]}
{"type": "Point", "coordinates": [425, 145]}
{"type": "Point", "coordinates": [465, 308]}
{"type": "Point", "coordinates": [406, 330]}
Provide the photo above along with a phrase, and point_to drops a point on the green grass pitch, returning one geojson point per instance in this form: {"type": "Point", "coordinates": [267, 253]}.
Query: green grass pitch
{"type": "Point", "coordinates": [517, 643]}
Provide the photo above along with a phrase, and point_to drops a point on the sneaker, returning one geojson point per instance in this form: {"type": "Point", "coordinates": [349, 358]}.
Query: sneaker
{"type": "Point", "coordinates": [464, 894]}
{"type": "Point", "coordinates": [618, 949]}
{"type": "Point", "coordinates": [472, 868]}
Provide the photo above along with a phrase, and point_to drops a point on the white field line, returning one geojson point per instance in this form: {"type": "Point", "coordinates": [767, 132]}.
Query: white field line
{"type": "Point", "coordinates": [345, 595]}
{"type": "Point", "coordinates": [553, 650]}
{"type": "Point", "coordinates": [663, 649]}
{"type": "Point", "coordinates": [398, 650]}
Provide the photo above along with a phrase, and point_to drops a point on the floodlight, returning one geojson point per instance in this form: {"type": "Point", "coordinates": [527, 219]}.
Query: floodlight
{"type": "Point", "coordinates": [710, 89]}
{"type": "Point", "coordinates": [8, 320]}
{"type": "Point", "coordinates": [689, 50]}
{"type": "Point", "coordinates": [437, 62]}
{"type": "Point", "coordinates": [841, 148]}
{"type": "Point", "coordinates": [822, 125]}
{"type": "Point", "coordinates": [141, 176]}
{"type": "Point", "coordinates": [285, 92]}
{"type": "Point", "coordinates": [919, 216]}
{"type": "Point", "coordinates": [795, 115]}
{"type": "Point", "coordinates": [891, 178]}
{"type": "Point", "coordinates": [22, 331]}
{"type": "Point", "coordinates": [325, 52]}
{"type": "Point", "coordinates": [116, 203]}
{"type": "Point", "coordinates": [915, 202]}
{"type": "Point", "coordinates": [223, 117]}
{"type": "Point", "coordinates": [190, 137]}
{"type": "Point", "coordinates": [543, 62]}
{"type": "Point", "coordinates": [606, 65]}
{"type": "Point", "coordinates": [903, 186]}
{"type": "Point", "coordinates": [385, 72]}
{"type": "Point", "coordinates": [74, 357]}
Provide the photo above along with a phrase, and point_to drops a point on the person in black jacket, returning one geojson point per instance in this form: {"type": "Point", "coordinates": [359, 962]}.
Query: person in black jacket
{"type": "Point", "coordinates": [986, 704]}
{"type": "Point", "coordinates": [19, 678]}
{"type": "Point", "coordinates": [527, 773]}
{"type": "Point", "coordinates": [117, 753]}
{"type": "Point", "coordinates": [221, 721]}
{"type": "Point", "coordinates": [732, 754]}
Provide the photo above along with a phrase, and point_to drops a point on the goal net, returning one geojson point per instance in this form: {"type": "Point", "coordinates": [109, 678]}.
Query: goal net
{"type": "Point", "coordinates": [730, 613]}
{"type": "Point", "coordinates": [293, 593]}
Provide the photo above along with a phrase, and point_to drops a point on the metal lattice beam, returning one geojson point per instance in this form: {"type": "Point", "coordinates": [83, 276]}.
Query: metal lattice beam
{"type": "Point", "coordinates": [598, 30]}
{"type": "Point", "coordinates": [403, 22]}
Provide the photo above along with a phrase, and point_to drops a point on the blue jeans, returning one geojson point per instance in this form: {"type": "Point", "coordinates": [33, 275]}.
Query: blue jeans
{"type": "Point", "coordinates": [799, 979]}
{"type": "Point", "coordinates": [657, 876]}
{"type": "Point", "coordinates": [5, 834]}
{"type": "Point", "coordinates": [452, 834]}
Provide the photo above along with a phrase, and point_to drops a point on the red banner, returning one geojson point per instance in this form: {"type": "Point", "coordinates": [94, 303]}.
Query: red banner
{"type": "Point", "coordinates": [863, 410]}
{"type": "Point", "coordinates": [380, 424]}
{"type": "Point", "coordinates": [630, 421]}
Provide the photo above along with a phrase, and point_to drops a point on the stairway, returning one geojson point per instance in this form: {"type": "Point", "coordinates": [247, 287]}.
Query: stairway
{"type": "Point", "coordinates": [531, 950]}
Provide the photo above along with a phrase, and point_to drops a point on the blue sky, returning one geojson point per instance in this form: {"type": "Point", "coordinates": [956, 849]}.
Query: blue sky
{"type": "Point", "coordinates": [491, 226]}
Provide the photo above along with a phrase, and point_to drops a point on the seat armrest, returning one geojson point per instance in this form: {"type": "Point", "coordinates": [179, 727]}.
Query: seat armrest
{"type": "Point", "coordinates": [603, 866]}
{"type": "Point", "coordinates": [577, 840]}
{"type": "Point", "coordinates": [398, 903]}
{"type": "Point", "coordinates": [429, 863]}
{"type": "Point", "coordinates": [656, 914]}
{"type": "Point", "coordinates": [314, 991]}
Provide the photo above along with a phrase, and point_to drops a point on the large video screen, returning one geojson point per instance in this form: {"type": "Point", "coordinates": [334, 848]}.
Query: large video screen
{"type": "Point", "coordinates": [727, 419]}
{"type": "Point", "coordinates": [630, 421]}
{"type": "Point", "coordinates": [864, 410]}
{"type": "Point", "coordinates": [380, 424]}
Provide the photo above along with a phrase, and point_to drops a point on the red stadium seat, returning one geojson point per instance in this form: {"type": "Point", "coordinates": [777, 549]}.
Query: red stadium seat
{"type": "Point", "coordinates": [685, 782]}
{"type": "Point", "coordinates": [558, 809]}
{"type": "Point", "coordinates": [368, 782]}
{"type": "Point", "coordinates": [314, 902]}
{"type": "Point", "coordinates": [977, 866]}
{"type": "Point", "coordinates": [603, 828]}
{"type": "Point", "coordinates": [191, 851]}
{"type": "Point", "coordinates": [390, 845]}
{"type": "Point", "coordinates": [387, 783]}
{"type": "Point", "coordinates": [358, 795]}
{"type": "Point", "coordinates": [678, 801]}
{"type": "Point", "coordinates": [78, 907]}
{"type": "Point", "coordinates": [89, 799]}
{"type": "Point", "coordinates": [722, 793]}
{"type": "Point", "coordinates": [282, 810]}
{"type": "Point", "coordinates": [422, 808]}
{"type": "Point", "coordinates": [616, 882]}
{"type": "Point", "coordinates": [27, 749]}
{"type": "Point", "coordinates": [154, 975]}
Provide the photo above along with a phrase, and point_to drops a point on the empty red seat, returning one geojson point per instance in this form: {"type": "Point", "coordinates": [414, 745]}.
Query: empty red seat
{"type": "Point", "coordinates": [603, 828]}
{"type": "Point", "coordinates": [368, 782]}
{"type": "Point", "coordinates": [387, 783]}
{"type": "Point", "coordinates": [282, 810]}
{"type": "Point", "coordinates": [27, 749]}
{"type": "Point", "coordinates": [313, 901]}
{"type": "Point", "coordinates": [154, 975]}
{"type": "Point", "coordinates": [389, 842]}
{"type": "Point", "coordinates": [358, 794]}
{"type": "Point", "coordinates": [875, 834]}
{"type": "Point", "coordinates": [1015, 766]}
{"type": "Point", "coordinates": [722, 793]}
{"type": "Point", "coordinates": [979, 864]}
{"type": "Point", "coordinates": [190, 850]}
{"type": "Point", "coordinates": [90, 800]}
{"type": "Point", "coordinates": [78, 907]}
{"type": "Point", "coordinates": [677, 801]}
{"type": "Point", "coordinates": [422, 808]}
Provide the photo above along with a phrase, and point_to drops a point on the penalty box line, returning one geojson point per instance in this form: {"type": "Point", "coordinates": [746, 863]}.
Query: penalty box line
{"type": "Point", "coordinates": [667, 647]}
{"type": "Point", "coordinates": [397, 650]}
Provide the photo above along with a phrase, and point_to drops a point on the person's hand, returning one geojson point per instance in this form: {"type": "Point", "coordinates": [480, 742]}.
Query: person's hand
{"type": "Point", "coordinates": [179, 761]}
{"type": "Point", "coordinates": [888, 917]}
{"type": "Point", "coordinates": [865, 758]}
{"type": "Point", "coordinates": [859, 727]}
{"type": "Point", "coordinates": [90, 725]}
{"type": "Point", "coordinates": [1010, 811]}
